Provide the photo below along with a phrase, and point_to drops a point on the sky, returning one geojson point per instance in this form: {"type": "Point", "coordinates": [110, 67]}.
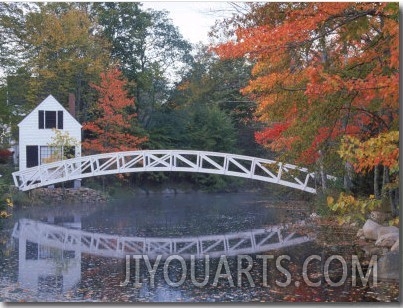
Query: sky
{"type": "Point", "coordinates": [193, 18]}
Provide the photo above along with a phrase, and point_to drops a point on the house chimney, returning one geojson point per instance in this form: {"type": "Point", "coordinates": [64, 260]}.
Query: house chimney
{"type": "Point", "coordinates": [72, 104]}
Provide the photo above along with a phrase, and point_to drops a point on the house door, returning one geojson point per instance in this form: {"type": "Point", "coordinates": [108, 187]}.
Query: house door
{"type": "Point", "coordinates": [32, 156]}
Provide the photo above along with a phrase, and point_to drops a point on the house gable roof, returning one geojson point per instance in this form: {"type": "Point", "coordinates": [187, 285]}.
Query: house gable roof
{"type": "Point", "coordinates": [49, 103]}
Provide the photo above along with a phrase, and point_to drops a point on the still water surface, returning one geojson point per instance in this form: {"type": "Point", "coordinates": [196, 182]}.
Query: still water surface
{"type": "Point", "coordinates": [34, 271]}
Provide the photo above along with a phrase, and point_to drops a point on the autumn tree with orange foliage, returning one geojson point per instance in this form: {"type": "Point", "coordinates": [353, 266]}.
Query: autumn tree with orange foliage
{"type": "Point", "coordinates": [321, 71]}
{"type": "Point", "coordinates": [114, 123]}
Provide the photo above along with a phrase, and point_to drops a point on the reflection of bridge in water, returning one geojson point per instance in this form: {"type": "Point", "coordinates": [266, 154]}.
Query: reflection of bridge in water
{"type": "Point", "coordinates": [247, 242]}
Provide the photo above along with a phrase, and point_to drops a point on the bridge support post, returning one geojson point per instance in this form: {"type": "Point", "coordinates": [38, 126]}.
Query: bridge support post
{"type": "Point", "coordinates": [77, 184]}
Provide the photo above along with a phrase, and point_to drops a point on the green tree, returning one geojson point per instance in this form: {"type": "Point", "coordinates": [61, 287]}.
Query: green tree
{"type": "Point", "coordinates": [214, 82]}
{"type": "Point", "coordinates": [58, 48]}
{"type": "Point", "coordinates": [15, 99]}
{"type": "Point", "coordinates": [65, 53]}
{"type": "Point", "coordinates": [11, 27]}
{"type": "Point", "coordinates": [149, 49]}
{"type": "Point", "coordinates": [12, 47]}
{"type": "Point", "coordinates": [5, 115]}
{"type": "Point", "coordinates": [210, 129]}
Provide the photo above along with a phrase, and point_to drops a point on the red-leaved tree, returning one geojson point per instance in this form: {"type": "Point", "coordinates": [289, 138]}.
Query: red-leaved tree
{"type": "Point", "coordinates": [320, 71]}
{"type": "Point", "coordinates": [113, 127]}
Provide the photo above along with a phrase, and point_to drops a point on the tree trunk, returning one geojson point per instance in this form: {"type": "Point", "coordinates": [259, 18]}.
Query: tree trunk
{"type": "Point", "coordinates": [395, 202]}
{"type": "Point", "coordinates": [385, 177]}
{"type": "Point", "coordinates": [377, 191]}
{"type": "Point", "coordinates": [322, 172]}
{"type": "Point", "coordinates": [348, 176]}
{"type": "Point", "coordinates": [323, 177]}
{"type": "Point", "coordinates": [393, 193]}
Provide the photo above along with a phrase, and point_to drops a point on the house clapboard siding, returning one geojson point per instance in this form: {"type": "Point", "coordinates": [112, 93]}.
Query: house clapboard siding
{"type": "Point", "coordinates": [35, 131]}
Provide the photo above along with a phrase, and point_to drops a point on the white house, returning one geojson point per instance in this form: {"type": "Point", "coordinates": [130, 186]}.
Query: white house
{"type": "Point", "coordinates": [47, 269]}
{"type": "Point", "coordinates": [37, 129]}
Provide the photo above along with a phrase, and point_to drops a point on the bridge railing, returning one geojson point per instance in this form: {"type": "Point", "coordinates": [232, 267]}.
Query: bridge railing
{"type": "Point", "coordinates": [167, 160]}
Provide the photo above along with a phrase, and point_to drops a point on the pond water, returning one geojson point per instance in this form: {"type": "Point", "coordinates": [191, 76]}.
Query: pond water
{"type": "Point", "coordinates": [172, 248]}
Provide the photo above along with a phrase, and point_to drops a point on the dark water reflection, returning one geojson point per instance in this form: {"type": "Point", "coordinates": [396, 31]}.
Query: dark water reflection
{"type": "Point", "coordinates": [184, 215]}
{"type": "Point", "coordinates": [39, 272]}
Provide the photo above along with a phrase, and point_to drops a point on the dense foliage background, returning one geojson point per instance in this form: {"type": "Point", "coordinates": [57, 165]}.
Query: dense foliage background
{"type": "Point", "coordinates": [314, 84]}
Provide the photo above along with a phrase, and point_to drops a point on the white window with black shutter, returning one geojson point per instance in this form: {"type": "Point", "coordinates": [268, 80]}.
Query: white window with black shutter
{"type": "Point", "coordinates": [32, 156]}
{"type": "Point", "coordinates": [48, 119]}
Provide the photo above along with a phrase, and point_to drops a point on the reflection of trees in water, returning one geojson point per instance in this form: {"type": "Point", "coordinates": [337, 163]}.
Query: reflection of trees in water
{"type": "Point", "coordinates": [101, 276]}
{"type": "Point", "coordinates": [190, 214]}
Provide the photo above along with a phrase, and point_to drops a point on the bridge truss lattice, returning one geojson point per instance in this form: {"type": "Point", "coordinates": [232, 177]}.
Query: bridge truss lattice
{"type": "Point", "coordinates": [167, 160]}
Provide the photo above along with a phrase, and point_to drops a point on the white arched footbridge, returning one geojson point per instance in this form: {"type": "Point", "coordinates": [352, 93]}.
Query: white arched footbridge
{"type": "Point", "coordinates": [167, 160]}
{"type": "Point", "coordinates": [115, 246]}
